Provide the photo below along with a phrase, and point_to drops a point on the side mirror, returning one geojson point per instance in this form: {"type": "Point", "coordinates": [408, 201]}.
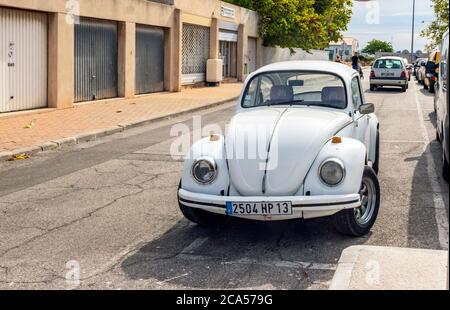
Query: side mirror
{"type": "Point", "coordinates": [367, 108]}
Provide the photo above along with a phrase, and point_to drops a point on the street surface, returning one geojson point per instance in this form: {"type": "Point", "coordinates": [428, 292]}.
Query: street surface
{"type": "Point", "coordinates": [109, 207]}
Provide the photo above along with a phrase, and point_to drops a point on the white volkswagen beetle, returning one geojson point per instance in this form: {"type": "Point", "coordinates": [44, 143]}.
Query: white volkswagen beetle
{"type": "Point", "coordinates": [303, 144]}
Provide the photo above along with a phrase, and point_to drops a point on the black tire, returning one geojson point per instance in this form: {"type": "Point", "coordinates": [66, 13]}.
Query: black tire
{"type": "Point", "coordinates": [425, 86]}
{"type": "Point", "coordinates": [201, 217]}
{"type": "Point", "coordinates": [403, 88]}
{"type": "Point", "coordinates": [372, 88]}
{"type": "Point", "coordinates": [376, 164]}
{"type": "Point", "coordinates": [445, 170]}
{"type": "Point", "coordinates": [431, 88]}
{"type": "Point", "coordinates": [346, 220]}
{"type": "Point", "coordinates": [445, 165]}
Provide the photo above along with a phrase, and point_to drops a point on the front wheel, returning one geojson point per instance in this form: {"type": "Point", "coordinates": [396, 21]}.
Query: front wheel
{"type": "Point", "coordinates": [372, 88]}
{"type": "Point", "coordinates": [431, 88]}
{"type": "Point", "coordinates": [358, 222]}
{"type": "Point", "coordinates": [376, 164]}
{"type": "Point", "coordinates": [445, 168]}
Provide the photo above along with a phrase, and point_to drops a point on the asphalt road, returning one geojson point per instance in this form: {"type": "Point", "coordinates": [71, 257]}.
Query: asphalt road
{"type": "Point", "coordinates": [109, 207]}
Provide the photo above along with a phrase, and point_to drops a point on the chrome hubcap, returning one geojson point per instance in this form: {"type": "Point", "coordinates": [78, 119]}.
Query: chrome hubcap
{"type": "Point", "coordinates": [368, 196]}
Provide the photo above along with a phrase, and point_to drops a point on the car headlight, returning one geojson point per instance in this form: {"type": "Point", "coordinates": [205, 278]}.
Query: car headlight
{"type": "Point", "coordinates": [332, 172]}
{"type": "Point", "coordinates": [204, 170]}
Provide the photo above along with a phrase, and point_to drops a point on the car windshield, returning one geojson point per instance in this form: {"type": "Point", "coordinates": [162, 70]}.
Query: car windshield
{"type": "Point", "coordinates": [388, 64]}
{"type": "Point", "coordinates": [295, 88]}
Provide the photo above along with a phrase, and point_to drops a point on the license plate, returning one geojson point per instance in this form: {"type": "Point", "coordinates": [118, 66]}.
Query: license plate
{"type": "Point", "coordinates": [259, 208]}
{"type": "Point", "coordinates": [387, 74]}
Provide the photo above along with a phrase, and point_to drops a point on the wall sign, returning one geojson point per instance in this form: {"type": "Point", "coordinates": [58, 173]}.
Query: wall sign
{"type": "Point", "coordinates": [11, 55]}
{"type": "Point", "coordinates": [227, 11]}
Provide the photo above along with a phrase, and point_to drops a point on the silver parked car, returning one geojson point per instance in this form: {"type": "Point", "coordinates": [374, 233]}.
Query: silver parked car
{"type": "Point", "coordinates": [441, 102]}
{"type": "Point", "coordinates": [389, 71]}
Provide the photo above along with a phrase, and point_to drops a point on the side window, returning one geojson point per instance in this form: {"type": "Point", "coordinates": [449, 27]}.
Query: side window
{"type": "Point", "coordinates": [250, 97]}
{"type": "Point", "coordinates": [356, 94]}
{"type": "Point", "coordinates": [266, 87]}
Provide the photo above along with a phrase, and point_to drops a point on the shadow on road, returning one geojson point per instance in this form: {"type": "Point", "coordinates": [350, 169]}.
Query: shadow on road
{"type": "Point", "coordinates": [422, 226]}
{"type": "Point", "coordinates": [426, 92]}
{"type": "Point", "coordinates": [384, 89]}
{"type": "Point", "coordinates": [241, 253]}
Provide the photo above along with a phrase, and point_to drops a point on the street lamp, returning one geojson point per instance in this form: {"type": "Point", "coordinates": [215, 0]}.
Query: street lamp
{"type": "Point", "coordinates": [412, 36]}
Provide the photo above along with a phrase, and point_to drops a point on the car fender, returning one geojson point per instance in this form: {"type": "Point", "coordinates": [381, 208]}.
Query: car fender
{"type": "Point", "coordinates": [373, 127]}
{"type": "Point", "coordinates": [352, 153]}
{"type": "Point", "coordinates": [214, 149]}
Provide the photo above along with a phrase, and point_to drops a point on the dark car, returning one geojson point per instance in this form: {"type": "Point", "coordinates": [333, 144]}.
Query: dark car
{"type": "Point", "coordinates": [432, 71]}
{"type": "Point", "coordinates": [442, 105]}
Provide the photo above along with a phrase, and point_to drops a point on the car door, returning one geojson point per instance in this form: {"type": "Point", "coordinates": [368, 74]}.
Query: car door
{"type": "Point", "coordinates": [361, 121]}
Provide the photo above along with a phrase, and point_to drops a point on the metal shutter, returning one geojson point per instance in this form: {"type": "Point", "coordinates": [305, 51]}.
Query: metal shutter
{"type": "Point", "coordinates": [23, 60]}
{"type": "Point", "coordinates": [96, 46]}
{"type": "Point", "coordinates": [149, 59]}
{"type": "Point", "coordinates": [195, 53]}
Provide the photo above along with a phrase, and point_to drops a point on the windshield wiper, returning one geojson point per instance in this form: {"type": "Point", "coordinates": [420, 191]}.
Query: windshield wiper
{"type": "Point", "coordinates": [286, 102]}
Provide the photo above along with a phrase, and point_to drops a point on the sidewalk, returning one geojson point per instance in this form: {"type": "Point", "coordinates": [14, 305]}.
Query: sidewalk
{"type": "Point", "coordinates": [31, 132]}
{"type": "Point", "coordinates": [390, 268]}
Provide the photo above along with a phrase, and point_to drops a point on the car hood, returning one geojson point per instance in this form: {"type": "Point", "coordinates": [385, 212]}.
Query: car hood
{"type": "Point", "coordinates": [271, 150]}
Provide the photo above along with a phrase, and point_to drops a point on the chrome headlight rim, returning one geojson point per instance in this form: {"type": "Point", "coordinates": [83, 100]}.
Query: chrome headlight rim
{"type": "Point", "coordinates": [211, 162]}
{"type": "Point", "coordinates": [337, 161]}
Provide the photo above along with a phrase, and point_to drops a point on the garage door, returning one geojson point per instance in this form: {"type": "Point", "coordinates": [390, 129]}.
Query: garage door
{"type": "Point", "coordinates": [149, 59]}
{"type": "Point", "coordinates": [195, 53]}
{"type": "Point", "coordinates": [252, 47]}
{"type": "Point", "coordinates": [95, 60]}
{"type": "Point", "coordinates": [23, 60]}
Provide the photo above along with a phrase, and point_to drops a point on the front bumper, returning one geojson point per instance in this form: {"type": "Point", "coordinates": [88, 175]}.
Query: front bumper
{"type": "Point", "coordinates": [302, 206]}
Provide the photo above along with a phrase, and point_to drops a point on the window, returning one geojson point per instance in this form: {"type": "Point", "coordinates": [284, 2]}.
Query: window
{"type": "Point", "coordinates": [356, 94]}
{"type": "Point", "coordinates": [295, 88]}
{"type": "Point", "coordinates": [388, 64]}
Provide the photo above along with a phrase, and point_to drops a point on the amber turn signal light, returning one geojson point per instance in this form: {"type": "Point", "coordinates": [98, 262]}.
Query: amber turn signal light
{"type": "Point", "coordinates": [336, 140]}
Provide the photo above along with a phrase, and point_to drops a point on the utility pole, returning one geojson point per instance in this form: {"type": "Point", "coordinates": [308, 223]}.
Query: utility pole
{"type": "Point", "coordinates": [412, 36]}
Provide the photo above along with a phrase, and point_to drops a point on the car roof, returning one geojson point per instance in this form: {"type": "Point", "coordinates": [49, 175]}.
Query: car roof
{"type": "Point", "coordinates": [342, 70]}
{"type": "Point", "coordinates": [390, 57]}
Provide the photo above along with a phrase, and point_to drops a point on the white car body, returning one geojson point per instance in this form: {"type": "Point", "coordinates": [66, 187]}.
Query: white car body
{"type": "Point", "coordinates": [394, 76]}
{"type": "Point", "coordinates": [303, 135]}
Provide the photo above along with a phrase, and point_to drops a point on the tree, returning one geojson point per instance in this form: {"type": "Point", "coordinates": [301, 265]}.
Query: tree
{"type": "Point", "coordinates": [435, 31]}
{"type": "Point", "coordinates": [307, 24]}
{"type": "Point", "coordinates": [378, 46]}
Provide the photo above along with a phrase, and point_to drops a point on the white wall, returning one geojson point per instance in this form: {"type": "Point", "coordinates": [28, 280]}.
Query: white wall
{"type": "Point", "coordinates": [276, 54]}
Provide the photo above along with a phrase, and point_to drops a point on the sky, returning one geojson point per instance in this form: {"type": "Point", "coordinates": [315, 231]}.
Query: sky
{"type": "Point", "coordinates": [390, 20]}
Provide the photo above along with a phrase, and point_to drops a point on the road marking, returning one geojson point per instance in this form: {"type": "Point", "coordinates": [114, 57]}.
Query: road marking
{"type": "Point", "coordinates": [271, 263]}
{"type": "Point", "coordinates": [439, 204]}
{"type": "Point", "coordinates": [283, 264]}
{"type": "Point", "coordinates": [171, 279]}
{"type": "Point", "coordinates": [190, 249]}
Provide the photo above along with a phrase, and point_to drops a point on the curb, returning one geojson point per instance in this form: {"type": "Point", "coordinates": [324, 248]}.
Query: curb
{"type": "Point", "coordinates": [94, 135]}
{"type": "Point", "coordinates": [343, 275]}
{"type": "Point", "coordinates": [388, 259]}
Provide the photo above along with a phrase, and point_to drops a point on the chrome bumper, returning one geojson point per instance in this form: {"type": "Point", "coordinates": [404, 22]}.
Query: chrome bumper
{"type": "Point", "coordinates": [302, 206]}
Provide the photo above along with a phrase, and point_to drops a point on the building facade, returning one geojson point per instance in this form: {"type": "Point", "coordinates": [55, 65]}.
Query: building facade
{"type": "Point", "coordinates": [345, 48]}
{"type": "Point", "coordinates": [64, 52]}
